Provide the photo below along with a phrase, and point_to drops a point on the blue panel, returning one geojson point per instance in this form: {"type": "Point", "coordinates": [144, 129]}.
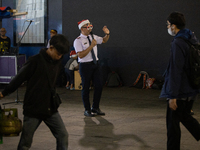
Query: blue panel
{"type": "Point", "coordinates": [54, 21]}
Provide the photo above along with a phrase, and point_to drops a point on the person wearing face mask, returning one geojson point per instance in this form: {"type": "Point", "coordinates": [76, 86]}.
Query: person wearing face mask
{"type": "Point", "coordinates": [177, 89]}
{"type": "Point", "coordinates": [86, 47]}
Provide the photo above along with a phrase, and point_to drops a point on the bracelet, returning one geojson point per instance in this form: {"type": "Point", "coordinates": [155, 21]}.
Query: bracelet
{"type": "Point", "coordinates": [108, 34]}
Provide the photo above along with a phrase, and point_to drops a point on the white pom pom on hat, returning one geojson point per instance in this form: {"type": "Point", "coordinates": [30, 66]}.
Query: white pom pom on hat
{"type": "Point", "coordinates": [82, 23]}
{"type": "Point", "coordinates": [73, 53]}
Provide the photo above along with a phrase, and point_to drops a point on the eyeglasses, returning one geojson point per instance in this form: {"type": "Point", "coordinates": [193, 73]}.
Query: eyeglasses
{"type": "Point", "coordinates": [89, 27]}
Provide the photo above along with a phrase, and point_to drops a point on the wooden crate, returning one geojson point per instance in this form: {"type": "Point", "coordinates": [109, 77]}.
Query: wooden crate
{"type": "Point", "coordinates": [77, 81]}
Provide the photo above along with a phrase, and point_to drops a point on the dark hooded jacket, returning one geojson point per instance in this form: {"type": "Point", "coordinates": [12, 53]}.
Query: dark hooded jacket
{"type": "Point", "coordinates": [37, 99]}
{"type": "Point", "coordinates": [176, 83]}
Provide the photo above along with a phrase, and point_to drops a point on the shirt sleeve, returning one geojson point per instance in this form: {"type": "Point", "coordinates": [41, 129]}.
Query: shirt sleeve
{"type": "Point", "coordinates": [48, 45]}
{"type": "Point", "coordinates": [98, 39]}
{"type": "Point", "coordinates": [78, 46]}
{"type": "Point", "coordinates": [75, 63]}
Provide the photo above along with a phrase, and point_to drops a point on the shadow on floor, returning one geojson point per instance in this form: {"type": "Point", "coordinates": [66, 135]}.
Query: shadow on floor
{"type": "Point", "coordinates": [101, 129]}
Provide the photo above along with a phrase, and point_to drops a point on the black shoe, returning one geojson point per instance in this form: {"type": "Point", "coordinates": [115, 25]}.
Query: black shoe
{"type": "Point", "coordinates": [88, 113]}
{"type": "Point", "coordinates": [97, 111]}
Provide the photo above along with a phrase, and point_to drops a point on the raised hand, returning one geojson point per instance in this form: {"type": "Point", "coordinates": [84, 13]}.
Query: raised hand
{"type": "Point", "coordinates": [106, 30]}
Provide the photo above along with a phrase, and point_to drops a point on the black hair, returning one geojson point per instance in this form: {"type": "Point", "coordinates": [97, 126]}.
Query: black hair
{"type": "Point", "coordinates": [61, 43]}
{"type": "Point", "coordinates": [177, 19]}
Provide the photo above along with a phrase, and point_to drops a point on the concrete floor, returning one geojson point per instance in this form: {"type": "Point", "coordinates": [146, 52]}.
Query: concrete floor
{"type": "Point", "coordinates": [134, 120]}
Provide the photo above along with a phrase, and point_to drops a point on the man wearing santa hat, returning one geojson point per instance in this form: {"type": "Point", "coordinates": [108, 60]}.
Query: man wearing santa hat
{"type": "Point", "coordinates": [86, 48]}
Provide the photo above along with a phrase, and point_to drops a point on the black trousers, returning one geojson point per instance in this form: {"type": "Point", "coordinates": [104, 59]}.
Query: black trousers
{"type": "Point", "coordinates": [181, 114]}
{"type": "Point", "coordinates": [91, 72]}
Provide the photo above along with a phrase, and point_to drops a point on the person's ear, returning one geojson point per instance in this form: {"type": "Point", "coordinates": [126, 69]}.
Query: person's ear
{"type": "Point", "coordinates": [51, 47]}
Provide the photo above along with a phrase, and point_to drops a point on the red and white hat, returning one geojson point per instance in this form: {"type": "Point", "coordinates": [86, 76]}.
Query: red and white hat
{"type": "Point", "coordinates": [82, 23]}
{"type": "Point", "coordinates": [73, 53]}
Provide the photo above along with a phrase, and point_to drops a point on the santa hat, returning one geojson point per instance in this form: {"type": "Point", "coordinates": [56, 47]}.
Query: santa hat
{"type": "Point", "coordinates": [82, 23]}
{"type": "Point", "coordinates": [73, 53]}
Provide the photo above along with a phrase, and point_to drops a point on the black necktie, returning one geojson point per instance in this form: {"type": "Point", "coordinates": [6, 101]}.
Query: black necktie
{"type": "Point", "coordinates": [92, 51]}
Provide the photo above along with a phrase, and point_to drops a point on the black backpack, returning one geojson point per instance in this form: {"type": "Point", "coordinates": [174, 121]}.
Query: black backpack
{"type": "Point", "coordinates": [194, 62]}
{"type": "Point", "coordinates": [113, 80]}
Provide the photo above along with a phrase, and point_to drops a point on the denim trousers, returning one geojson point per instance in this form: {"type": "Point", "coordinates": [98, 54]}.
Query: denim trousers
{"type": "Point", "coordinates": [54, 123]}
{"type": "Point", "coordinates": [70, 75]}
{"type": "Point", "coordinates": [181, 114]}
{"type": "Point", "coordinates": [91, 72]}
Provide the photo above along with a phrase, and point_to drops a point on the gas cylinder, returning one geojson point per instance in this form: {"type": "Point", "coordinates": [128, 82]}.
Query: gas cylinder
{"type": "Point", "coordinates": [10, 124]}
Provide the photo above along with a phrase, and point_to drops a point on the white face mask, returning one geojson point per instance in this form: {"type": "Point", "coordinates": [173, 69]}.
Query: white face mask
{"type": "Point", "coordinates": [170, 32]}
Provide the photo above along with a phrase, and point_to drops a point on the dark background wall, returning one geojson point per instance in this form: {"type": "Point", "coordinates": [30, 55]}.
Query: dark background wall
{"type": "Point", "coordinates": [138, 38]}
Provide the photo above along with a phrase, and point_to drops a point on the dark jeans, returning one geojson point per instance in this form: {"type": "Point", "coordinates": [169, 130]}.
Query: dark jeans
{"type": "Point", "coordinates": [70, 75]}
{"type": "Point", "coordinates": [91, 72]}
{"type": "Point", "coordinates": [181, 114]}
{"type": "Point", "coordinates": [54, 123]}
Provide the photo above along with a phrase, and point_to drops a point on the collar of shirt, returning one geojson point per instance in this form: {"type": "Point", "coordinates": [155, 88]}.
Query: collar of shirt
{"type": "Point", "coordinates": [84, 36]}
